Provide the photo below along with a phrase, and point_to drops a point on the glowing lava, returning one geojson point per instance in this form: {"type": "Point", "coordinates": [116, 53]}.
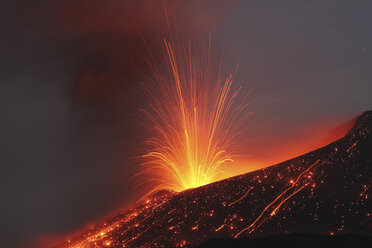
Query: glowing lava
{"type": "Point", "coordinates": [195, 118]}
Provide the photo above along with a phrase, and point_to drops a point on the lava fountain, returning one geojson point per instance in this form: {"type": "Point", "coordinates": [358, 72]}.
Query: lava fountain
{"type": "Point", "coordinates": [195, 118]}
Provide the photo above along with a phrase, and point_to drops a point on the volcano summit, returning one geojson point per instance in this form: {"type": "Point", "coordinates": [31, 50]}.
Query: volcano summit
{"type": "Point", "coordinates": [326, 191]}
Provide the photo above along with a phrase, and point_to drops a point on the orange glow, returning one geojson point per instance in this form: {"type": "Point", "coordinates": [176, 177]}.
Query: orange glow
{"type": "Point", "coordinates": [269, 149]}
{"type": "Point", "coordinates": [195, 119]}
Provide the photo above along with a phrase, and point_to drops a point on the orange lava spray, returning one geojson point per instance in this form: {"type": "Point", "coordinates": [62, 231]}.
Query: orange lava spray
{"type": "Point", "coordinates": [195, 118]}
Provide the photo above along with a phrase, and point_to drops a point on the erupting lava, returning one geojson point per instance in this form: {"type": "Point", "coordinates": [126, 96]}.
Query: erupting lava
{"type": "Point", "coordinates": [195, 118]}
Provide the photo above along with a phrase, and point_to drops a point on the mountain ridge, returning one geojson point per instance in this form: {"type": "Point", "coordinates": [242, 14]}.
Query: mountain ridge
{"type": "Point", "coordinates": [324, 191]}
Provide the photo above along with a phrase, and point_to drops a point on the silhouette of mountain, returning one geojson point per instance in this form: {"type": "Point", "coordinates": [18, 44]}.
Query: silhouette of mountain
{"type": "Point", "coordinates": [293, 241]}
{"type": "Point", "coordinates": [324, 192]}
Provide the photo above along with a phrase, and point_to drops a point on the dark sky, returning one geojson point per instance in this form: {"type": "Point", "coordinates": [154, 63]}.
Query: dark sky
{"type": "Point", "coordinates": [69, 93]}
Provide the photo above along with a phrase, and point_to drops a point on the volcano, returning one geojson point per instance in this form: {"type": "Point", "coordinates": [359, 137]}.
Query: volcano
{"type": "Point", "coordinates": [325, 192]}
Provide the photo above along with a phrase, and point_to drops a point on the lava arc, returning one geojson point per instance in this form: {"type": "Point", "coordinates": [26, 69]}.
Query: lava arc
{"type": "Point", "coordinates": [195, 118]}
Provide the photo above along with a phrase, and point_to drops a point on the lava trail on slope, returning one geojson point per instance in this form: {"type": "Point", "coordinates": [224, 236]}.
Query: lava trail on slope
{"type": "Point", "coordinates": [326, 191]}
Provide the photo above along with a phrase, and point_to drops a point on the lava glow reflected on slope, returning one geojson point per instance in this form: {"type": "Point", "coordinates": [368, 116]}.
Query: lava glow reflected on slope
{"type": "Point", "coordinates": [278, 199]}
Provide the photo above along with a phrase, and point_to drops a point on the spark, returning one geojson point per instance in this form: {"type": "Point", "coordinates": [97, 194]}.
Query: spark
{"type": "Point", "coordinates": [241, 198]}
{"type": "Point", "coordinates": [195, 227]}
{"type": "Point", "coordinates": [363, 193]}
{"type": "Point", "coordinates": [352, 146]}
{"type": "Point", "coordinates": [195, 119]}
{"type": "Point", "coordinates": [222, 226]}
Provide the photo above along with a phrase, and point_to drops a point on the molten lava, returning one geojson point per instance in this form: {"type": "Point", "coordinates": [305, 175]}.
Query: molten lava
{"type": "Point", "coordinates": [195, 119]}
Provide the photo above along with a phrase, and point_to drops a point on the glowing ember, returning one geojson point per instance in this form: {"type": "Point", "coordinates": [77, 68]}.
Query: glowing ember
{"type": "Point", "coordinates": [195, 119]}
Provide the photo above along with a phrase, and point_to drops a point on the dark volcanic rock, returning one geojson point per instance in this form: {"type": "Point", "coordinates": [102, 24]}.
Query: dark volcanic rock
{"type": "Point", "coordinates": [293, 240]}
{"type": "Point", "coordinates": [326, 191]}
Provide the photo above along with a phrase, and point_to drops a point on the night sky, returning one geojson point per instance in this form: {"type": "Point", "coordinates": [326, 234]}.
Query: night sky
{"type": "Point", "coordinates": [70, 93]}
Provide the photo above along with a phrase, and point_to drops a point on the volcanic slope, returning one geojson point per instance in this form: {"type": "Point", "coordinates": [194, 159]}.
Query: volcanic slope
{"type": "Point", "coordinates": [326, 191]}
